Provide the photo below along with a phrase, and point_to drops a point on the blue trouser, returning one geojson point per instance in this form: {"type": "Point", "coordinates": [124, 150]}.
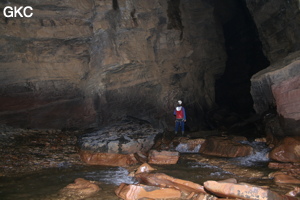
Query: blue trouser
{"type": "Point", "coordinates": [179, 122]}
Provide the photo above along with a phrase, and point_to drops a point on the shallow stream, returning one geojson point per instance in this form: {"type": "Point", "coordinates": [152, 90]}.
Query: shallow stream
{"type": "Point", "coordinates": [46, 184]}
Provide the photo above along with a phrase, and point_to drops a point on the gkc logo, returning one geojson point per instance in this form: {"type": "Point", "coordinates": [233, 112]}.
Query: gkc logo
{"type": "Point", "coordinates": [15, 11]}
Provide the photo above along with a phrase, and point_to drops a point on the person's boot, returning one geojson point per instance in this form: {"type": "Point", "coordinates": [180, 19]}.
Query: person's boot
{"type": "Point", "coordinates": [182, 133]}
{"type": "Point", "coordinates": [175, 132]}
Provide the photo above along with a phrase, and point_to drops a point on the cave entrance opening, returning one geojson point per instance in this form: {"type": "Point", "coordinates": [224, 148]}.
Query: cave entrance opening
{"type": "Point", "coordinates": [245, 56]}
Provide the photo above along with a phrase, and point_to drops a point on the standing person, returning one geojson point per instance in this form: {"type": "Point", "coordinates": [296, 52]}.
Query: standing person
{"type": "Point", "coordinates": [179, 112]}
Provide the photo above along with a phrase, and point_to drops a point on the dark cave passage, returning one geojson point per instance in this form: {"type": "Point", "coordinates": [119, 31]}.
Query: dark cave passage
{"type": "Point", "coordinates": [244, 56]}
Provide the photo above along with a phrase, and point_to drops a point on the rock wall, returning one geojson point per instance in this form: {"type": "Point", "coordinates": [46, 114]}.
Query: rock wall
{"type": "Point", "coordinates": [87, 63]}
{"type": "Point", "coordinates": [278, 85]}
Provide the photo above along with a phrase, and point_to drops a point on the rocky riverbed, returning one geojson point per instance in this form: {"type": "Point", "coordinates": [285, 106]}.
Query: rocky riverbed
{"type": "Point", "coordinates": [29, 152]}
{"type": "Point", "coordinates": [26, 151]}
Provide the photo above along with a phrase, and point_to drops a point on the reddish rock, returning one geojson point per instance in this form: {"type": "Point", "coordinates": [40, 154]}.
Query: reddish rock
{"type": "Point", "coordinates": [108, 159]}
{"type": "Point", "coordinates": [163, 157]}
{"type": "Point", "coordinates": [288, 150]}
{"type": "Point", "coordinates": [81, 187]}
{"type": "Point", "coordinates": [141, 157]}
{"type": "Point", "coordinates": [185, 145]}
{"type": "Point", "coordinates": [163, 180]}
{"type": "Point", "coordinates": [287, 95]}
{"type": "Point", "coordinates": [293, 192]}
{"type": "Point", "coordinates": [243, 191]}
{"type": "Point", "coordinates": [224, 147]}
{"type": "Point", "coordinates": [277, 165]}
{"type": "Point", "coordinates": [136, 192]}
{"type": "Point", "coordinates": [144, 168]}
{"type": "Point", "coordinates": [281, 177]}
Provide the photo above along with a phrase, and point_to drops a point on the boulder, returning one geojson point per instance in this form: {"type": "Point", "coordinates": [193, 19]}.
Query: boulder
{"type": "Point", "coordinates": [163, 180]}
{"type": "Point", "coordinates": [136, 192]}
{"type": "Point", "coordinates": [80, 189]}
{"type": "Point", "coordinates": [225, 147]}
{"type": "Point", "coordinates": [243, 191]}
{"type": "Point", "coordinates": [281, 177]}
{"type": "Point", "coordinates": [144, 168]}
{"type": "Point", "coordinates": [107, 159]}
{"type": "Point", "coordinates": [185, 145]}
{"type": "Point", "coordinates": [288, 150]}
{"type": "Point", "coordinates": [278, 86]}
{"type": "Point", "coordinates": [116, 145]}
{"type": "Point", "coordinates": [163, 157]}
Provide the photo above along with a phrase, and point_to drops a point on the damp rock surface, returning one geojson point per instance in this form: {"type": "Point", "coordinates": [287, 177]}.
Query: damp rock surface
{"type": "Point", "coordinates": [126, 137]}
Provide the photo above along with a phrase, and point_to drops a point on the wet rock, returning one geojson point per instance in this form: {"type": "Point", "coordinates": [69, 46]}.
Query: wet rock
{"type": "Point", "coordinates": [116, 145]}
{"type": "Point", "coordinates": [185, 145]}
{"type": "Point", "coordinates": [80, 189]}
{"type": "Point", "coordinates": [107, 159]}
{"type": "Point", "coordinates": [278, 86]}
{"type": "Point", "coordinates": [225, 147]}
{"type": "Point", "coordinates": [144, 168]}
{"type": "Point", "coordinates": [293, 192]}
{"type": "Point", "coordinates": [243, 191]}
{"type": "Point", "coordinates": [281, 177]}
{"type": "Point", "coordinates": [288, 150]}
{"type": "Point", "coordinates": [126, 137]}
{"type": "Point", "coordinates": [286, 94]}
{"type": "Point", "coordinates": [135, 192]}
{"type": "Point", "coordinates": [141, 157]}
{"type": "Point", "coordinates": [163, 180]}
{"type": "Point", "coordinates": [278, 165]}
{"type": "Point", "coordinates": [163, 157]}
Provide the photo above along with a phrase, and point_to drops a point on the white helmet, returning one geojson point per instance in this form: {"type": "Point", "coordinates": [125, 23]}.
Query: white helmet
{"type": "Point", "coordinates": [179, 102]}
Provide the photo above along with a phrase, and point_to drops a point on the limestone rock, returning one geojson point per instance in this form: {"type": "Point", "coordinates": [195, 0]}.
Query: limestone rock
{"type": "Point", "coordinates": [278, 85]}
{"type": "Point", "coordinates": [281, 177]}
{"type": "Point", "coordinates": [84, 64]}
{"type": "Point", "coordinates": [108, 159]}
{"type": "Point", "coordinates": [185, 145]}
{"type": "Point", "coordinates": [126, 137]}
{"type": "Point", "coordinates": [144, 168]}
{"type": "Point", "coordinates": [163, 157]}
{"type": "Point", "coordinates": [80, 189]}
{"type": "Point", "coordinates": [224, 147]}
{"type": "Point", "coordinates": [243, 191]}
{"type": "Point", "coordinates": [136, 192]}
{"type": "Point", "coordinates": [288, 150]}
{"type": "Point", "coordinates": [278, 33]}
{"type": "Point", "coordinates": [163, 180]}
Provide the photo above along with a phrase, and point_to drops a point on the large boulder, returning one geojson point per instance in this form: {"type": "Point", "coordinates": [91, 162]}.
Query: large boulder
{"type": "Point", "coordinates": [243, 191]}
{"type": "Point", "coordinates": [163, 180]}
{"type": "Point", "coordinates": [225, 147]}
{"type": "Point", "coordinates": [278, 86]}
{"type": "Point", "coordinates": [135, 192]}
{"type": "Point", "coordinates": [80, 189]}
{"type": "Point", "coordinates": [288, 150]}
{"type": "Point", "coordinates": [163, 157]}
{"type": "Point", "coordinates": [116, 144]}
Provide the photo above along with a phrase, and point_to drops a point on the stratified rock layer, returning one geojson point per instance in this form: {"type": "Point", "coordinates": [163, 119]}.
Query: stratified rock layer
{"type": "Point", "coordinates": [116, 144]}
{"type": "Point", "coordinates": [88, 63]}
{"type": "Point", "coordinates": [278, 86]}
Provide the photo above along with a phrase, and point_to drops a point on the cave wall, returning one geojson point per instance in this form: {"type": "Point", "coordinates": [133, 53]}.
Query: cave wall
{"type": "Point", "coordinates": [87, 63]}
{"type": "Point", "coordinates": [278, 86]}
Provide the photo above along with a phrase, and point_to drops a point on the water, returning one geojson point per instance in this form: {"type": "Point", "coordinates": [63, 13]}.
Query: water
{"type": "Point", "coordinates": [45, 185]}
{"type": "Point", "coordinates": [184, 148]}
{"type": "Point", "coordinates": [259, 156]}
